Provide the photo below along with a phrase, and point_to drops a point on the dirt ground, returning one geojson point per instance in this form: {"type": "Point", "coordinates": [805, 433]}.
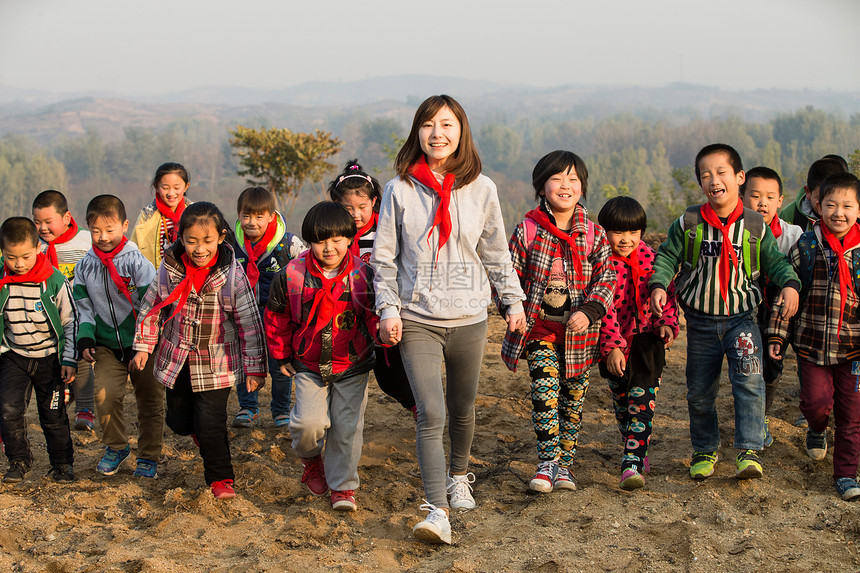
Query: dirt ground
{"type": "Point", "coordinates": [791, 520]}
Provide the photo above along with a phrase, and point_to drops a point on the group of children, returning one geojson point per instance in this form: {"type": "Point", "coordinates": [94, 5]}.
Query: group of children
{"type": "Point", "coordinates": [189, 308]}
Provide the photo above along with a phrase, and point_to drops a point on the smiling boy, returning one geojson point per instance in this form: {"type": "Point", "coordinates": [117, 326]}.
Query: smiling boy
{"type": "Point", "coordinates": [713, 246]}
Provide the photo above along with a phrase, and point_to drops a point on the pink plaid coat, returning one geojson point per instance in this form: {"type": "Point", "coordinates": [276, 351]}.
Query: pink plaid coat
{"type": "Point", "coordinates": [218, 331]}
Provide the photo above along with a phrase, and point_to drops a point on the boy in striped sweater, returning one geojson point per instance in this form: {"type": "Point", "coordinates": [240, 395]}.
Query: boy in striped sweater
{"type": "Point", "coordinates": [38, 326]}
{"type": "Point", "coordinates": [721, 252]}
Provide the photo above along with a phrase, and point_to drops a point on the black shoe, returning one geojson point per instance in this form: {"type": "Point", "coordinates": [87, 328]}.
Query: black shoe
{"type": "Point", "coordinates": [62, 473]}
{"type": "Point", "coordinates": [19, 470]}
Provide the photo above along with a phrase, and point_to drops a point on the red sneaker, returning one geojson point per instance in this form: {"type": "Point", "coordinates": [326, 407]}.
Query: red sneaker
{"type": "Point", "coordinates": [343, 500]}
{"type": "Point", "coordinates": [223, 489]}
{"type": "Point", "coordinates": [314, 475]}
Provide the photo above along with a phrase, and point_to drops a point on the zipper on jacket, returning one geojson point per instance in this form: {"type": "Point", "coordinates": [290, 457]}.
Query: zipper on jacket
{"type": "Point", "coordinates": [113, 316]}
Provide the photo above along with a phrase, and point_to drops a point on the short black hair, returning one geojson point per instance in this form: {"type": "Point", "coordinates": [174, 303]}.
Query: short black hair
{"type": "Point", "coordinates": [51, 198]}
{"type": "Point", "coordinates": [18, 230]}
{"type": "Point", "coordinates": [201, 213]}
{"type": "Point", "coordinates": [106, 206]}
{"type": "Point", "coordinates": [840, 180]}
{"type": "Point", "coordinates": [325, 220]}
{"type": "Point", "coordinates": [731, 152]}
{"type": "Point", "coordinates": [558, 161]}
{"type": "Point", "coordinates": [821, 170]}
{"type": "Point", "coordinates": [622, 214]}
{"type": "Point", "coordinates": [255, 201]}
{"type": "Point", "coordinates": [762, 173]}
{"type": "Point", "coordinates": [838, 158]}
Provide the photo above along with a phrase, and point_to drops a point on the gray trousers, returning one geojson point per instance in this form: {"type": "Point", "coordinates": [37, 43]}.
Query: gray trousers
{"type": "Point", "coordinates": [330, 416]}
{"type": "Point", "coordinates": [424, 349]}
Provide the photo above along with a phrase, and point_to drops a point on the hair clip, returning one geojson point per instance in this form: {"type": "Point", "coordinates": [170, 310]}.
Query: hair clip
{"type": "Point", "coordinates": [354, 168]}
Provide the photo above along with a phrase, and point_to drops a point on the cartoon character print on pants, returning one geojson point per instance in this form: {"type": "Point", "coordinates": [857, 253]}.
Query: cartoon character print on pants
{"type": "Point", "coordinates": [749, 357]}
{"type": "Point", "coordinates": [556, 403]}
{"type": "Point", "coordinates": [634, 412]}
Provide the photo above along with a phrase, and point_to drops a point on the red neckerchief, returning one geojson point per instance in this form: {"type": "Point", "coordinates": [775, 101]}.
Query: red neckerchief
{"type": "Point", "coordinates": [322, 308]}
{"type": "Point", "coordinates": [632, 261]}
{"type": "Point", "coordinates": [194, 277]}
{"type": "Point", "coordinates": [543, 220]}
{"type": "Point", "coordinates": [257, 250]}
{"type": "Point", "coordinates": [67, 236]}
{"type": "Point", "coordinates": [167, 213]}
{"type": "Point", "coordinates": [40, 272]}
{"type": "Point", "coordinates": [421, 172]}
{"type": "Point", "coordinates": [353, 248]}
{"type": "Point", "coordinates": [852, 239]}
{"type": "Point", "coordinates": [728, 257]}
{"type": "Point", "coordinates": [776, 226]}
{"type": "Point", "coordinates": [107, 260]}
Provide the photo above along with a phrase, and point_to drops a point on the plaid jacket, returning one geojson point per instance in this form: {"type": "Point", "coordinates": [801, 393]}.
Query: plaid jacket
{"type": "Point", "coordinates": [622, 321]}
{"type": "Point", "coordinates": [596, 286]}
{"type": "Point", "coordinates": [218, 331]}
{"type": "Point", "coordinates": [812, 331]}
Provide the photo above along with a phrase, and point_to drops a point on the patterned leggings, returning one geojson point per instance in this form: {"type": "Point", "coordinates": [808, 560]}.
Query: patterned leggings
{"type": "Point", "coordinates": [635, 394]}
{"type": "Point", "coordinates": [556, 402]}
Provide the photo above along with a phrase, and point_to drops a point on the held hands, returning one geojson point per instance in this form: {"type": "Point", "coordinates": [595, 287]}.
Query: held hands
{"type": "Point", "coordinates": [774, 350]}
{"type": "Point", "coordinates": [516, 322]}
{"type": "Point", "coordinates": [666, 335]}
{"type": "Point", "coordinates": [658, 301]}
{"type": "Point", "coordinates": [138, 362]}
{"type": "Point", "coordinates": [790, 300]}
{"type": "Point", "coordinates": [254, 383]}
{"type": "Point", "coordinates": [577, 321]}
{"type": "Point", "coordinates": [287, 370]}
{"type": "Point", "coordinates": [89, 354]}
{"type": "Point", "coordinates": [391, 329]}
{"type": "Point", "coordinates": [615, 362]}
{"type": "Point", "coordinates": [67, 373]}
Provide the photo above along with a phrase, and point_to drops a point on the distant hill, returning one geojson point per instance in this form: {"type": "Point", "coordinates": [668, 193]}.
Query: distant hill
{"type": "Point", "coordinates": [43, 115]}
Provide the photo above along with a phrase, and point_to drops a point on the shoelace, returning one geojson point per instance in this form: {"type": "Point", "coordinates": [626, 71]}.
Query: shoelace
{"type": "Point", "coordinates": [312, 470]}
{"type": "Point", "coordinates": [459, 482]}
{"type": "Point", "coordinates": [545, 467]}
{"type": "Point", "coordinates": [433, 517]}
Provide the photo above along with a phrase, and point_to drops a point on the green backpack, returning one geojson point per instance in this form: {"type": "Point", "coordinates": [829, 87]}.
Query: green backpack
{"type": "Point", "coordinates": [754, 231]}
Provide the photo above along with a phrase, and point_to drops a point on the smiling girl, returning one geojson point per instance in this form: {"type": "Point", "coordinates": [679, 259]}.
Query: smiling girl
{"type": "Point", "coordinates": [562, 260]}
{"type": "Point", "coordinates": [155, 229]}
{"type": "Point", "coordinates": [203, 315]}
{"type": "Point", "coordinates": [440, 244]}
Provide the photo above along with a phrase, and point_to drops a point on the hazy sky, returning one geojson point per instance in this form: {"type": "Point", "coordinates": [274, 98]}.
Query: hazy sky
{"type": "Point", "coordinates": [160, 46]}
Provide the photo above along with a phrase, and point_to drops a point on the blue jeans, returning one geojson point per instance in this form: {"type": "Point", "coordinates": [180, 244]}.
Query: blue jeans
{"type": "Point", "coordinates": [282, 387]}
{"type": "Point", "coordinates": [708, 339]}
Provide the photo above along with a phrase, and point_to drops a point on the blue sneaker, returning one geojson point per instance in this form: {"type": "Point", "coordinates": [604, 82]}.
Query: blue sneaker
{"type": "Point", "coordinates": [848, 488]}
{"type": "Point", "coordinates": [281, 420]}
{"type": "Point", "coordinates": [768, 438]}
{"type": "Point", "coordinates": [111, 461]}
{"type": "Point", "coordinates": [146, 469]}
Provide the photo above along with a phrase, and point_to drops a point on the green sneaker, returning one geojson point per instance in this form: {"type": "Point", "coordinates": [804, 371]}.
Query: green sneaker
{"type": "Point", "coordinates": [768, 438]}
{"type": "Point", "coordinates": [702, 465]}
{"type": "Point", "coordinates": [749, 465]}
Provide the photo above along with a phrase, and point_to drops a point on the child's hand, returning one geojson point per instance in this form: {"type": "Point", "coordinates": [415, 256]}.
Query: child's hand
{"type": "Point", "coordinates": [390, 330]}
{"type": "Point", "coordinates": [138, 361]}
{"type": "Point", "coordinates": [516, 322]}
{"type": "Point", "coordinates": [89, 354]}
{"type": "Point", "coordinates": [658, 301]}
{"type": "Point", "coordinates": [577, 321]}
{"type": "Point", "coordinates": [666, 334]}
{"type": "Point", "coordinates": [615, 362]}
{"type": "Point", "coordinates": [774, 350]}
{"type": "Point", "coordinates": [287, 370]}
{"type": "Point", "coordinates": [254, 383]}
{"type": "Point", "coordinates": [67, 373]}
{"type": "Point", "coordinates": [790, 300]}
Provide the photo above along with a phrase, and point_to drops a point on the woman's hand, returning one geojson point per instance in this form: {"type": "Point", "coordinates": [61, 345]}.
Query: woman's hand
{"type": "Point", "coordinates": [390, 330]}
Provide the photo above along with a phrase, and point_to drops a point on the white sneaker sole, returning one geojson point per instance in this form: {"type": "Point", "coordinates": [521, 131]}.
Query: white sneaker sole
{"type": "Point", "coordinates": [430, 534]}
{"type": "Point", "coordinates": [344, 505]}
{"type": "Point", "coordinates": [540, 486]}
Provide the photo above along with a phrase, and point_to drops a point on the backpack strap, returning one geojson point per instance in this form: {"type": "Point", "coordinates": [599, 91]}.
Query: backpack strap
{"type": "Point", "coordinates": [753, 234]}
{"type": "Point", "coordinates": [530, 231]}
{"type": "Point", "coordinates": [225, 294]}
{"type": "Point", "coordinates": [693, 229]}
{"type": "Point", "coordinates": [295, 273]}
{"type": "Point", "coordinates": [589, 237]}
{"type": "Point", "coordinates": [807, 247]}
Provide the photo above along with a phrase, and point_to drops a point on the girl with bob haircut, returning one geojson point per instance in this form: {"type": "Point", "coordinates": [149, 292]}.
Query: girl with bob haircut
{"type": "Point", "coordinates": [440, 245]}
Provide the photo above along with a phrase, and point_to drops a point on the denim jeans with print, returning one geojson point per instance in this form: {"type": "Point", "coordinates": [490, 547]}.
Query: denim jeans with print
{"type": "Point", "coordinates": [736, 337]}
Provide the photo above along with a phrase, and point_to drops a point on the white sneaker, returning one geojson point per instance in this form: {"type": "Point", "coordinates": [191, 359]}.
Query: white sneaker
{"type": "Point", "coordinates": [435, 528]}
{"type": "Point", "coordinates": [460, 491]}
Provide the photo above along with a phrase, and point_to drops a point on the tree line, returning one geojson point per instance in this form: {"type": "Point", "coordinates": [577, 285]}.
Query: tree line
{"type": "Point", "coordinates": [649, 158]}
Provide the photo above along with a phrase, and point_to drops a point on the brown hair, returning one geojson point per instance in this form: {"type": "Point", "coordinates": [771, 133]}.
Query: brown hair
{"type": "Point", "coordinates": [464, 164]}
